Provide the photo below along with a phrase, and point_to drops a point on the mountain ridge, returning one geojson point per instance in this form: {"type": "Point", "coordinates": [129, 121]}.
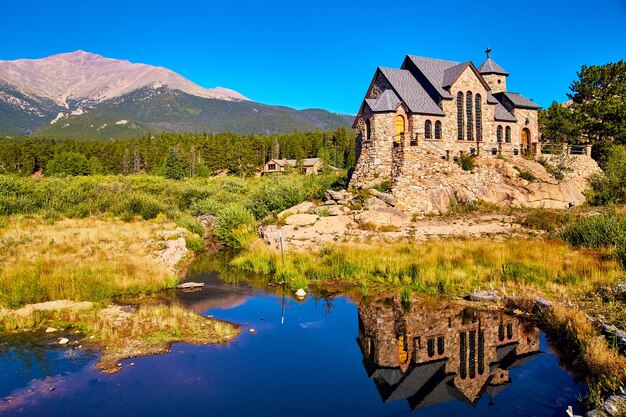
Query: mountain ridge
{"type": "Point", "coordinates": [81, 94]}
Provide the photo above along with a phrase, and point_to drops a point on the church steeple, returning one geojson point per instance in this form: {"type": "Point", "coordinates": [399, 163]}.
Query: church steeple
{"type": "Point", "coordinates": [493, 73]}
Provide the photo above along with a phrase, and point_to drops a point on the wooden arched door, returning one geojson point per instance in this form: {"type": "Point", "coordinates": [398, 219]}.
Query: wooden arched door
{"type": "Point", "coordinates": [525, 142]}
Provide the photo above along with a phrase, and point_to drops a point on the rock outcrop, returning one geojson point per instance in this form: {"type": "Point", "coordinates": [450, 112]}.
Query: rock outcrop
{"type": "Point", "coordinates": [425, 184]}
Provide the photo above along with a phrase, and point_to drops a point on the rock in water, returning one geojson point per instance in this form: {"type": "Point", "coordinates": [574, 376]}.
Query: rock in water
{"type": "Point", "coordinates": [51, 330]}
{"type": "Point", "coordinates": [64, 341]}
{"type": "Point", "coordinates": [300, 293]}
{"type": "Point", "coordinates": [189, 285]}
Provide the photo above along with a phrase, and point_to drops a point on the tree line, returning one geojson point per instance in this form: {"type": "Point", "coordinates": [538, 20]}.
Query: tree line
{"type": "Point", "coordinates": [173, 155]}
{"type": "Point", "coordinates": [595, 113]}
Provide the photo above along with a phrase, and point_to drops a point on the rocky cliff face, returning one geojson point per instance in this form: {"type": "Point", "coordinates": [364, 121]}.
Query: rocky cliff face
{"type": "Point", "coordinates": [425, 183]}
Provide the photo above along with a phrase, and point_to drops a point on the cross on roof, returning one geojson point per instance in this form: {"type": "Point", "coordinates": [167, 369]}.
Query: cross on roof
{"type": "Point", "coordinates": [488, 52]}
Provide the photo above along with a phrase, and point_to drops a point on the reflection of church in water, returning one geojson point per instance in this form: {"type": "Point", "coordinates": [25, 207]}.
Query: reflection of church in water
{"type": "Point", "coordinates": [433, 354]}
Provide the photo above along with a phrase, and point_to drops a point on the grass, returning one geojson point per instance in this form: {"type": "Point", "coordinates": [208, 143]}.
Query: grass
{"type": "Point", "coordinates": [605, 366]}
{"type": "Point", "coordinates": [81, 259]}
{"type": "Point", "coordinates": [128, 197]}
{"type": "Point", "coordinates": [444, 266]}
{"type": "Point", "coordinates": [600, 231]}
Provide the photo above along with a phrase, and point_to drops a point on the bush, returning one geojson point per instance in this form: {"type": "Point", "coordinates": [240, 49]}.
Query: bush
{"type": "Point", "coordinates": [234, 222]}
{"type": "Point", "coordinates": [466, 162]}
{"type": "Point", "coordinates": [595, 232]}
{"type": "Point", "coordinates": [194, 243]}
{"type": "Point", "coordinates": [527, 175]}
{"type": "Point", "coordinates": [610, 187]}
{"type": "Point", "coordinates": [69, 163]}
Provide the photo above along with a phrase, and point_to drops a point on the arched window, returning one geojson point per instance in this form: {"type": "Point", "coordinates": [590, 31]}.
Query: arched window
{"type": "Point", "coordinates": [459, 115]}
{"type": "Point", "coordinates": [368, 130]}
{"type": "Point", "coordinates": [499, 134]}
{"type": "Point", "coordinates": [509, 331]}
{"type": "Point", "coordinates": [470, 118]}
{"type": "Point", "coordinates": [437, 129]}
{"type": "Point", "coordinates": [479, 118]}
{"type": "Point", "coordinates": [507, 134]}
{"type": "Point", "coordinates": [399, 125]}
{"type": "Point", "coordinates": [428, 129]}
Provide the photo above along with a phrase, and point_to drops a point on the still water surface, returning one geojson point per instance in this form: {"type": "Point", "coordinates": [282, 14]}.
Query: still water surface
{"type": "Point", "coordinates": [311, 358]}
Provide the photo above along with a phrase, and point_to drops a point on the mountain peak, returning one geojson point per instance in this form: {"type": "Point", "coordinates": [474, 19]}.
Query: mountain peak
{"type": "Point", "coordinates": [89, 77]}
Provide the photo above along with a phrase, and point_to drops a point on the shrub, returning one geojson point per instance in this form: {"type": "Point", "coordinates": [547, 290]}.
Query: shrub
{"type": "Point", "coordinates": [194, 243]}
{"type": "Point", "coordinates": [147, 206]}
{"type": "Point", "coordinates": [540, 219]}
{"type": "Point", "coordinates": [527, 175]}
{"type": "Point", "coordinates": [234, 221]}
{"type": "Point", "coordinates": [383, 187]}
{"type": "Point", "coordinates": [595, 232]}
{"type": "Point", "coordinates": [610, 187]}
{"type": "Point", "coordinates": [466, 162]}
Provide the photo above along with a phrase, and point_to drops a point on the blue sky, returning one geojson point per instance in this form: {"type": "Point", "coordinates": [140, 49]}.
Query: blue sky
{"type": "Point", "coordinates": [323, 53]}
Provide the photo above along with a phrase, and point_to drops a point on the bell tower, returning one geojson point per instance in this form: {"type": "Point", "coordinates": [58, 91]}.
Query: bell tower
{"type": "Point", "coordinates": [494, 74]}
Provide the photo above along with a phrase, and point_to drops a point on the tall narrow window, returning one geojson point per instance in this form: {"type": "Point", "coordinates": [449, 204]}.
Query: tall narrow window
{"type": "Point", "coordinates": [470, 117]}
{"type": "Point", "coordinates": [430, 347]}
{"type": "Point", "coordinates": [479, 118]}
{"type": "Point", "coordinates": [463, 355]}
{"type": "Point", "coordinates": [472, 354]}
{"type": "Point", "coordinates": [507, 134]}
{"type": "Point", "coordinates": [428, 129]}
{"type": "Point", "coordinates": [481, 352]}
{"type": "Point", "coordinates": [499, 134]}
{"type": "Point", "coordinates": [437, 129]}
{"type": "Point", "coordinates": [459, 115]}
{"type": "Point", "coordinates": [441, 345]}
{"type": "Point", "coordinates": [368, 130]}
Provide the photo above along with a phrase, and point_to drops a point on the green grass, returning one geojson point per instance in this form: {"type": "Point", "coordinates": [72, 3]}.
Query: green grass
{"type": "Point", "coordinates": [147, 197]}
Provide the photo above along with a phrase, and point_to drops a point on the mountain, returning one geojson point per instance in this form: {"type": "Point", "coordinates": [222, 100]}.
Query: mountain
{"type": "Point", "coordinates": [84, 95]}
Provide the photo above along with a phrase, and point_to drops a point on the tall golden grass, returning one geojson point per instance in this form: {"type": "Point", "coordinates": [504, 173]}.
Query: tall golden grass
{"type": "Point", "coordinates": [442, 266]}
{"type": "Point", "coordinates": [86, 259]}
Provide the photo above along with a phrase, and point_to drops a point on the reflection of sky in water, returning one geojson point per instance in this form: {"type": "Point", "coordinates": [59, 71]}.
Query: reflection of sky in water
{"type": "Point", "coordinates": [309, 366]}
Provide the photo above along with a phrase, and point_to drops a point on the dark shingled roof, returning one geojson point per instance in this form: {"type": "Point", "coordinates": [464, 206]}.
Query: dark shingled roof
{"type": "Point", "coordinates": [411, 92]}
{"type": "Point", "coordinates": [503, 115]}
{"type": "Point", "coordinates": [387, 101]}
{"type": "Point", "coordinates": [518, 100]}
{"type": "Point", "coordinates": [434, 70]}
{"type": "Point", "coordinates": [490, 67]}
{"type": "Point", "coordinates": [451, 74]}
{"type": "Point", "coordinates": [491, 99]}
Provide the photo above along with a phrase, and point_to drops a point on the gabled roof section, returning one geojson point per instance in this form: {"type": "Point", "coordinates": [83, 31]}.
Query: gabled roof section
{"type": "Point", "coordinates": [387, 101]}
{"type": "Point", "coordinates": [451, 74]}
{"type": "Point", "coordinates": [411, 92]}
{"type": "Point", "coordinates": [433, 70]}
{"type": "Point", "coordinates": [518, 100]}
{"type": "Point", "coordinates": [490, 67]}
{"type": "Point", "coordinates": [307, 162]}
{"type": "Point", "coordinates": [491, 99]}
{"type": "Point", "coordinates": [503, 115]}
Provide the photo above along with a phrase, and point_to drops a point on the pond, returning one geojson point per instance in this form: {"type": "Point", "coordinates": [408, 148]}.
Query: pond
{"type": "Point", "coordinates": [320, 356]}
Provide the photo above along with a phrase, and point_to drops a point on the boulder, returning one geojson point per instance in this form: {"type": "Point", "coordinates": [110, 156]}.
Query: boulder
{"type": "Point", "coordinates": [387, 198]}
{"type": "Point", "coordinates": [337, 195]}
{"type": "Point", "coordinates": [208, 220]}
{"type": "Point", "coordinates": [64, 341]}
{"type": "Point", "coordinates": [337, 210]}
{"type": "Point", "coordinates": [330, 202]}
{"type": "Point", "coordinates": [333, 225]}
{"type": "Point", "coordinates": [483, 295]}
{"type": "Point", "coordinates": [302, 208]}
{"type": "Point", "coordinates": [374, 202]}
{"type": "Point", "coordinates": [615, 405]}
{"type": "Point", "coordinates": [300, 293]}
{"type": "Point", "coordinates": [384, 216]}
{"type": "Point", "coordinates": [301, 219]}
{"type": "Point", "coordinates": [51, 330]}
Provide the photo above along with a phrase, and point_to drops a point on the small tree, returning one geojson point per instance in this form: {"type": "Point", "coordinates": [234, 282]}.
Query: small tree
{"type": "Point", "coordinates": [174, 166]}
{"type": "Point", "coordinates": [68, 163]}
